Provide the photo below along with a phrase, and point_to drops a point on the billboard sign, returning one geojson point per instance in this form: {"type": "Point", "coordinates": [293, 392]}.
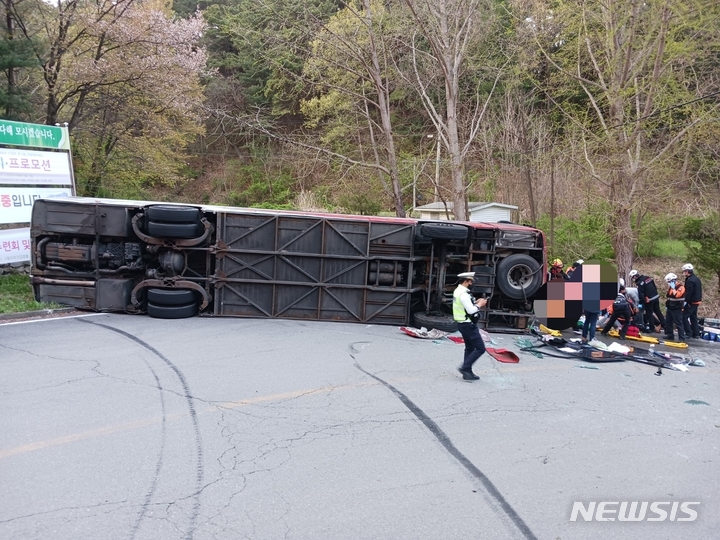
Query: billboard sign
{"type": "Point", "coordinates": [16, 203]}
{"type": "Point", "coordinates": [15, 245]}
{"type": "Point", "coordinates": [35, 135]}
{"type": "Point", "coordinates": [32, 167]}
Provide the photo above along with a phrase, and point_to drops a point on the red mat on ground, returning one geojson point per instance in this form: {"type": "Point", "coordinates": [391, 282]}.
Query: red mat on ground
{"type": "Point", "coordinates": [503, 355]}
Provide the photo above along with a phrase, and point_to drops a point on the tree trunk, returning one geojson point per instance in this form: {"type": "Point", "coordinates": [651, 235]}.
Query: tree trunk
{"type": "Point", "coordinates": [11, 71]}
{"type": "Point", "coordinates": [456, 162]}
{"type": "Point", "coordinates": [623, 240]}
{"type": "Point", "coordinates": [376, 74]}
{"type": "Point", "coordinates": [525, 146]}
{"type": "Point", "coordinates": [390, 148]}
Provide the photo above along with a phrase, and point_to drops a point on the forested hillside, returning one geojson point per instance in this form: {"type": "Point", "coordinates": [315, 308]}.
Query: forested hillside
{"type": "Point", "coordinates": [599, 120]}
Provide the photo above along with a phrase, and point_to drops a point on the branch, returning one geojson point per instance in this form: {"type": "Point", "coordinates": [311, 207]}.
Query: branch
{"type": "Point", "coordinates": [257, 125]}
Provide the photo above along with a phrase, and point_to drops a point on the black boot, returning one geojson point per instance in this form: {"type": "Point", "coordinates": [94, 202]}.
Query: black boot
{"type": "Point", "coordinates": [468, 375]}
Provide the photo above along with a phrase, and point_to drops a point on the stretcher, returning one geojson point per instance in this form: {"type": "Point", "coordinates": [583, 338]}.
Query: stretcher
{"type": "Point", "coordinates": [648, 339]}
{"type": "Point", "coordinates": [554, 333]}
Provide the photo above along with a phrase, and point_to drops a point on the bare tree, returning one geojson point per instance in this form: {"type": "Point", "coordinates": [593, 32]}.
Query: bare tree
{"type": "Point", "coordinates": [630, 60]}
{"type": "Point", "coordinates": [349, 67]}
{"type": "Point", "coordinates": [446, 33]}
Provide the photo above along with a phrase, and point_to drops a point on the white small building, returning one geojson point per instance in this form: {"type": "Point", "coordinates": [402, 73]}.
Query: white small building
{"type": "Point", "coordinates": [487, 212]}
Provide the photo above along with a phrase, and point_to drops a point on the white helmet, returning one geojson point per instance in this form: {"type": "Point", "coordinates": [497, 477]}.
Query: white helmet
{"type": "Point", "coordinates": [670, 277]}
{"type": "Point", "coordinates": [688, 266]}
{"type": "Point", "coordinates": [633, 273]}
{"type": "Point", "coordinates": [579, 262]}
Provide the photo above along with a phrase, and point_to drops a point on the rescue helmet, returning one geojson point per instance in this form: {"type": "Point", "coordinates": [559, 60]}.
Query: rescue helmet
{"type": "Point", "coordinates": [557, 263]}
{"type": "Point", "coordinates": [579, 262]}
{"type": "Point", "coordinates": [688, 267]}
{"type": "Point", "coordinates": [632, 274]}
{"type": "Point", "coordinates": [670, 277]}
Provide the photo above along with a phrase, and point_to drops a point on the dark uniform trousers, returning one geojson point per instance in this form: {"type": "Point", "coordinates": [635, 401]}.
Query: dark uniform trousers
{"type": "Point", "coordinates": [474, 345]}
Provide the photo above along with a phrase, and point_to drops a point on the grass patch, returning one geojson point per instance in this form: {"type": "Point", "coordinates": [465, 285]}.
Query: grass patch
{"type": "Point", "coordinates": [670, 248]}
{"type": "Point", "coordinates": [16, 295]}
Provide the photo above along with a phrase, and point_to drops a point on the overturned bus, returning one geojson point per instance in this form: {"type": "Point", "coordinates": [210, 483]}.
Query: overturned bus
{"type": "Point", "coordinates": [176, 260]}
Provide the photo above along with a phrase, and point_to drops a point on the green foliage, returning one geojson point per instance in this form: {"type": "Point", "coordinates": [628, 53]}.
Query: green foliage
{"type": "Point", "coordinates": [257, 44]}
{"type": "Point", "coordinates": [251, 185]}
{"type": "Point", "coordinates": [14, 99]}
{"type": "Point", "coordinates": [134, 168]}
{"type": "Point", "coordinates": [16, 295]}
{"type": "Point", "coordinates": [668, 247]}
{"type": "Point", "coordinates": [706, 232]}
{"type": "Point", "coordinates": [586, 237]}
{"type": "Point", "coordinates": [658, 236]}
{"type": "Point", "coordinates": [361, 203]}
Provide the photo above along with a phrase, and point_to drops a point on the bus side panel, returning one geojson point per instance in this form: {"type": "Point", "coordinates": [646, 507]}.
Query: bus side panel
{"type": "Point", "coordinates": [73, 295]}
{"type": "Point", "coordinates": [313, 268]}
{"type": "Point", "coordinates": [55, 217]}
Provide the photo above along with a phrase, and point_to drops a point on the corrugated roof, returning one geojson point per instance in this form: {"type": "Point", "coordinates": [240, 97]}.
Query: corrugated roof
{"type": "Point", "coordinates": [471, 206]}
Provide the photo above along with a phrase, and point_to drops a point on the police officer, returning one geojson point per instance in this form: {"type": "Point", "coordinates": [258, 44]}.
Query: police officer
{"type": "Point", "coordinates": [464, 307]}
{"type": "Point", "coordinates": [693, 297]}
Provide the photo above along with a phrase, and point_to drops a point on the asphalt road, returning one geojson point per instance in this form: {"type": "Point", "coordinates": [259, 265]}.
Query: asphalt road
{"type": "Point", "coordinates": [127, 427]}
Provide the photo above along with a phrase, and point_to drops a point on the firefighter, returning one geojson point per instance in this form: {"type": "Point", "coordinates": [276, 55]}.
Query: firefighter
{"type": "Point", "coordinates": [674, 304]}
{"type": "Point", "coordinates": [556, 271]}
{"type": "Point", "coordinates": [649, 298]}
{"type": "Point", "coordinates": [693, 297]}
{"type": "Point", "coordinates": [572, 267]}
{"type": "Point", "coordinates": [620, 310]}
{"type": "Point", "coordinates": [635, 305]}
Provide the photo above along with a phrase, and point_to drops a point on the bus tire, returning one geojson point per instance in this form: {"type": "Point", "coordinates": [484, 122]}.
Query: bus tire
{"type": "Point", "coordinates": [170, 297]}
{"type": "Point", "coordinates": [173, 230]}
{"type": "Point", "coordinates": [519, 276]}
{"type": "Point", "coordinates": [173, 214]}
{"type": "Point", "coordinates": [443, 231]}
{"type": "Point", "coordinates": [444, 323]}
{"type": "Point", "coordinates": [182, 311]}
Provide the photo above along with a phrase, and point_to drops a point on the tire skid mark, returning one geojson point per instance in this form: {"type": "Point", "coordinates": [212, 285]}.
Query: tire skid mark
{"type": "Point", "coordinates": [161, 453]}
{"type": "Point", "coordinates": [196, 427]}
{"type": "Point", "coordinates": [445, 441]}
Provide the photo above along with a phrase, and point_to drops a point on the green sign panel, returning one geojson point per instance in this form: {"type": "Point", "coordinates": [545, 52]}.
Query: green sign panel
{"type": "Point", "coordinates": [37, 135]}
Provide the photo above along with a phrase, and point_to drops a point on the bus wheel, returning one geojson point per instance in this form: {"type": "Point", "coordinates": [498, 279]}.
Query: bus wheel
{"type": "Point", "coordinates": [173, 230]}
{"type": "Point", "coordinates": [182, 311]}
{"type": "Point", "coordinates": [519, 276]}
{"type": "Point", "coordinates": [443, 231]}
{"type": "Point", "coordinates": [173, 214]}
{"type": "Point", "coordinates": [444, 323]}
{"type": "Point", "coordinates": [164, 221]}
{"type": "Point", "coordinates": [170, 297]}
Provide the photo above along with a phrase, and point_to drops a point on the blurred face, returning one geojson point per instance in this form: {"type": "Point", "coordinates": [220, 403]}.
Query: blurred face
{"type": "Point", "coordinates": [686, 273]}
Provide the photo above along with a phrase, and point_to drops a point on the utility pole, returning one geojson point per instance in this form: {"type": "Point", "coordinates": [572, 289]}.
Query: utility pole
{"type": "Point", "coordinates": [552, 204]}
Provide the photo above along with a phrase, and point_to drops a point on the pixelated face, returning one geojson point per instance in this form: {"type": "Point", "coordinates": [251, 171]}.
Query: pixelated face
{"type": "Point", "coordinates": [593, 286]}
